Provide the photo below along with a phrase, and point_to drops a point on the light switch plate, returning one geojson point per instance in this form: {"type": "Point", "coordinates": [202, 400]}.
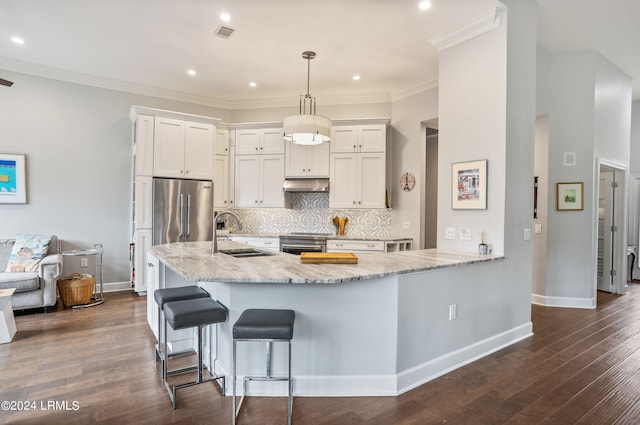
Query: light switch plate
{"type": "Point", "coordinates": [465, 234]}
{"type": "Point", "coordinates": [538, 228]}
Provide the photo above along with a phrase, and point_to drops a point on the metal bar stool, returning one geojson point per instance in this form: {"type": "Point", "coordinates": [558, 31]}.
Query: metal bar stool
{"type": "Point", "coordinates": [268, 326]}
{"type": "Point", "coordinates": [197, 312]}
{"type": "Point", "coordinates": [167, 295]}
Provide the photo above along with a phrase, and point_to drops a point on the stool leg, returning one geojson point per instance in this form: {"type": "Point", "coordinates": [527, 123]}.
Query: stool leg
{"type": "Point", "coordinates": [159, 337]}
{"type": "Point", "coordinates": [199, 354]}
{"type": "Point", "coordinates": [269, 350]}
{"type": "Point", "coordinates": [233, 399]}
{"type": "Point", "coordinates": [290, 401]}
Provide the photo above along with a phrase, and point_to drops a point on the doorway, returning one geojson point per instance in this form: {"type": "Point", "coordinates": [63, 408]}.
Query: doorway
{"type": "Point", "coordinates": [611, 235]}
{"type": "Point", "coordinates": [430, 224]}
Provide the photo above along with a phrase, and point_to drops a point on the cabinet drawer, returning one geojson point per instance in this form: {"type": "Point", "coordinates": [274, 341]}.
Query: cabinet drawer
{"type": "Point", "coordinates": [353, 245]}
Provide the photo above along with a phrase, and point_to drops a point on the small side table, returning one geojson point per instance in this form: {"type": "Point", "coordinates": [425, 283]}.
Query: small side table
{"type": "Point", "coordinates": [97, 252]}
{"type": "Point", "coordinates": [7, 321]}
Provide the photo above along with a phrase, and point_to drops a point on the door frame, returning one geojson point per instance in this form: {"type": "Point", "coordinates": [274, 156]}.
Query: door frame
{"type": "Point", "coordinates": [620, 242]}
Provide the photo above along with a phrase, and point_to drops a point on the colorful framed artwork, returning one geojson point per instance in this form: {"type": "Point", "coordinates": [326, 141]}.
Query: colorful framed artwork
{"type": "Point", "coordinates": [469, 185]}
{"type": "Point", "coordinates": [13, 189]}
{"type": "Point", "coordinates": [570, 196]}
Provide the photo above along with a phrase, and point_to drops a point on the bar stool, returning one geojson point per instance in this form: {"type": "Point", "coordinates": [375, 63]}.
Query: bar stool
{"type": "Point", "coordinates": [269, 326]}
{"type": "Point", "coordinates": [167, 295]}
{"type": "Point", "coordinates": [196, 312]}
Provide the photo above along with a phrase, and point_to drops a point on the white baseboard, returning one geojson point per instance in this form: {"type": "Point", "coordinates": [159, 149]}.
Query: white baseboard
{"type": "Point", "coordinates": [388, 385]}
{"type": "Point", "coordinates": [584, 303]}
{"type": "Point", "coordinates": [432, 369]}
{"type": "Point", "coordinates": [117, 286]}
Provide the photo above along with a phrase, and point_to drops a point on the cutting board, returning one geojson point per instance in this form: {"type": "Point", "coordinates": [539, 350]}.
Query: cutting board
{"type": "Point", "coordinates": [328, 258]}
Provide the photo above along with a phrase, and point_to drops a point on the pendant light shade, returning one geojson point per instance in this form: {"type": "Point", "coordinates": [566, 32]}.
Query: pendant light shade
{"type": "Point", "coordinates": [307, 128]}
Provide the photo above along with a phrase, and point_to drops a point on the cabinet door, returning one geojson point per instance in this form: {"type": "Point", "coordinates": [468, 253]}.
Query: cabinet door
{"type": "Point", "coordinates": [168, 149]}
{"type": "Point", "coordinates": [295, 160]}
{"type": "Point", "coordinates": [318, 160]}
{"type": "Point", "coordinates": [272, 180]}
{"type": "Point", "coordinates": [143, 212]}
{"type": "Point", "coordinates": [272, 141]}
{"type": "Point", "coordinates": [152, 276]}
{"type": "Point", "coordinates": [343, 181]}
{"type": "Point", "coordinates": [221, 182]}
{"type": "Point", "coordinates": [247, 180]}
{"type": "Point", "coordinates": [222, 141]}
{"type": "Point", "coordinates": [143, 242]}
{"type": "Point", "coordinates": [372, 138]}
{"type": "Point", "coordinates": [247, 142]}
{"type": "Point", "coordinates": [371, 180]}
{"type": "Point", "coordinates": [198, 151]}
{"type": "Point", "coordinates": [344, 139]}
{"type": "Point", "coordinates": [231, 175]}
{"type": "Point", "coordinates": [144, 145]}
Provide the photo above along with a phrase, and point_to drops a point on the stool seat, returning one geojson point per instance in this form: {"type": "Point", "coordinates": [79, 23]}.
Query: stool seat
{"type": "Point", "coordinates": [194, 312]}
{"type": "Point", "coordinates": [167, 295]}
{"type": "Point", "coordinates": [264, 324]}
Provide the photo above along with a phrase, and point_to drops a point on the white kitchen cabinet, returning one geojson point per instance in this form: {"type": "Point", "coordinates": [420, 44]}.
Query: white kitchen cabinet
{"type": "Point", "coordinates": [359, 138]}
{"type": "Point", "coordinates": [306, 161]}
{"type": "Point", "coordinates": [183, 149]}
{"type": "Point", "coordinates": [143, 145]}
{"type": "Point", "coordinates": [143, 197]}
{"type": "Point", "coordinates": [221, 146]}
{"type": "Point", "coordinates": [355, 246]}
{"type": "Point", "coordinates": [221, 182]}
{"type": "Point", "coordinates": [267, 141]}
{"type": "Point", "coordinates": [143, 242]}
{"type": "Point", "coordinates": [269, 243]}
{"type": "Point", "coordinates": [152, 278]}
{"type": "Point", "coordinates": [259, 180]}
{"type": "Point", "coordinates": [357, 180]}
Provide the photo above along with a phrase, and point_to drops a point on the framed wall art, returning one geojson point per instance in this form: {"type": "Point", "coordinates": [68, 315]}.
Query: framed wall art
{"type": "Point", "coordinates": [13, 189]}
{"type": "Point", "coordinates": [469, 185]}
{"type": "Point", "coordinates": [570, 196]}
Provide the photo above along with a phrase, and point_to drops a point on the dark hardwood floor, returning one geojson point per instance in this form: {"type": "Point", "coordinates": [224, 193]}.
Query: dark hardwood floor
{"type": "Point", "coordinates": [580, 367]}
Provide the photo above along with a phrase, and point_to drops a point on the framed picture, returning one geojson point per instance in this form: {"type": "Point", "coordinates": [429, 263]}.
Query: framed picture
{"type": "Point", "coordinates": [569, 196]}
{"type": "Point", "coordinates": [469, 185]}
{"type": "Point", "coordinates": [13, 189]}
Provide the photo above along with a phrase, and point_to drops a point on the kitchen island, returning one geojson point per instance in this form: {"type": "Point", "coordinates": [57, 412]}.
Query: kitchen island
{"type": "Point", "coordinates": [380, 327]}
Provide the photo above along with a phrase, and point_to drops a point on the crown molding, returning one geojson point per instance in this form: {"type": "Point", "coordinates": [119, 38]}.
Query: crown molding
{"type": "Point", "coordinates": [423, 85]}
{"type": "Point", "coordinates": [474, 28]}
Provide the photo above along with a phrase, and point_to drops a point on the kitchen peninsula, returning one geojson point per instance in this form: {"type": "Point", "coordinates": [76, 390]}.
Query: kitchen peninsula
{"type": "Point", "coordinates": [380, 327]}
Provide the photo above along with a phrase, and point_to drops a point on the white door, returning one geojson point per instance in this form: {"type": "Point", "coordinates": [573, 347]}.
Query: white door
{"type": "Point", "coordinates": [247, 180]}
{"type": "Point", "coordinates": [247, 142]}
{"type": "Point", "coordinates": [198, 151]}
{"type": "Point", "coordinates": [343, 180]}
{"type": "Point", "coordinates": [168, 149]}
{"type": "Point", "coordinates": [272, 141]}
{"type": "Point", "coordinates": [372, 138]}
{"type": "Point", "coordinates": [318, 160]}
{"type": "Point", "coordinates": [221, 182]}
{"type": "Point", "coordinates": [371, 186]}
{"type": "Point", "coordinates": [296, 160]}
{"type": "Point", "coordinates": [272, 181]}
{"type": "Point", "coordinates": [606, 230]}
{"type": "Point", "coordinates": [344, 139]}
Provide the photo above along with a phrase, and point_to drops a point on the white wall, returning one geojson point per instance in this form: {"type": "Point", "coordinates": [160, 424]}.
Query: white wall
{"type": "Point", "coordinates": [472, 126]}
{"type": "Point", "coordinates": [634, 180]}
{"type": "Point", "coordinates": [77, 140]}
{"type": "Point", "coordinates": [541, 168]}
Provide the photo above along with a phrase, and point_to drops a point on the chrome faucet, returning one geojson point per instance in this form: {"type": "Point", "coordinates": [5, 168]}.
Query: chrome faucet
{"type": "Point", "coordinates": [216, 219]}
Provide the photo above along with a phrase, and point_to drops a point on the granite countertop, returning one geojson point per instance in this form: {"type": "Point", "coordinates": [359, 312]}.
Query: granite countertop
{"type": "Point", "coordinates": [194, 262]}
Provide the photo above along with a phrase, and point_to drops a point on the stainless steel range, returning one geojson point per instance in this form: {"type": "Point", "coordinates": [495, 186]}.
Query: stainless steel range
{"type": "Point", "coordinates": [296, 243]}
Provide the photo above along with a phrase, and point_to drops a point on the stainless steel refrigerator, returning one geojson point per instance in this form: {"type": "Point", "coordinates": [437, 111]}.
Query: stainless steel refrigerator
{"type": "Point", "coordinates": [182, 210]}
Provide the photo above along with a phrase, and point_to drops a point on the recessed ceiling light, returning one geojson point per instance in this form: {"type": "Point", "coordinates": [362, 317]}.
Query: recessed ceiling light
{"type": "Point", "coordinates": [17, 40]}
{"type": "Point", "coordinates": [356, 77]}
{"type": "Point", "coordinates": [253, 84]}
{"type": "Point", "coordinates": [424, 5]}
{"type": "Point", "coordinates": [225, 17]}
{"type": "Point", "coordinates": [191, 72]}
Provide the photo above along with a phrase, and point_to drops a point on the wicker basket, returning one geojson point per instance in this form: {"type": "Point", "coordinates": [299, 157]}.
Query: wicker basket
{"type": "Point", "coordinates": [76, 289]}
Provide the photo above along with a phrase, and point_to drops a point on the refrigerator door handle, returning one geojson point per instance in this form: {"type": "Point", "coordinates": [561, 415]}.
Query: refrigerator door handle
{"type": "Point", "coordinates": [188, 215]}
{"type": "Point", "coordinates": [181, 211]}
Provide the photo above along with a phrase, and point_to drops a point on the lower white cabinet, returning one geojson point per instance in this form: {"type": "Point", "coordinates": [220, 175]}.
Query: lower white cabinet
{"type": "Point", "coordinates": [143, 242]}
{"type": "Point", "coordinates": [152, 276]}
{"type": "Point", "coordinates": [355, 246]}
{"type": "Point", "coordinates": [270, 243]}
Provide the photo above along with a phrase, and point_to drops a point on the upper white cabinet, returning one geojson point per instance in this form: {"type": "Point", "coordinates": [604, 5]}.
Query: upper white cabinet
{"type": "Point", "coordinates": [265, 141]}
{"type": "Point", "coordinates": [222, 141]}
{"type": "Point", "coordinates": [259, 180]}
{"type": "Point", "coordinates": [306, 161]}
{"type": "Point", "coordinates": [143, 145]}
{"type": "Point", "coordinates": [358, 138]}
{"type": "Point", "coordinates": [221, 182]}
{"type": "Point", "coordinates": [183, 149]}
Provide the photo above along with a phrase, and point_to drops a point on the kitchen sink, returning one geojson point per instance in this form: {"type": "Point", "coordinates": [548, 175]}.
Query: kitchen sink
{"type": "Point", "coordinates": [245, 253]}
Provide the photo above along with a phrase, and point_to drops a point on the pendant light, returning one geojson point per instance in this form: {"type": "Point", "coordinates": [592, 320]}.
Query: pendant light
{"type": "Point", "coordinates": [307, 128]}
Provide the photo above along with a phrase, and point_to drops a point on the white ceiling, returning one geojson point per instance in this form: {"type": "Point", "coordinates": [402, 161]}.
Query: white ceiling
{"type": "Point", "coordinates": [146, 46]}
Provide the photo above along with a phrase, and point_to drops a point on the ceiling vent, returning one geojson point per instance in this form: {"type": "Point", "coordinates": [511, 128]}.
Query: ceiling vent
{"type": "Point", "coordinates": [224, 32]}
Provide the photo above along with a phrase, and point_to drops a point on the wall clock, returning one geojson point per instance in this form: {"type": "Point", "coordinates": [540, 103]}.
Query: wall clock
{"type": "Point", "coordinates": [407, 182]}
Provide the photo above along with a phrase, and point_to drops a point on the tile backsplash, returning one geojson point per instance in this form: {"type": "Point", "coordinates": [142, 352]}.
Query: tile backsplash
{"type": "Point", "coordinates": [310, 212]}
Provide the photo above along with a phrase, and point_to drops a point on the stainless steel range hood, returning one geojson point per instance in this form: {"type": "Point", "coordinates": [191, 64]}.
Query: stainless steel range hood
{"type": "Point", "coordinates": [306, 185]}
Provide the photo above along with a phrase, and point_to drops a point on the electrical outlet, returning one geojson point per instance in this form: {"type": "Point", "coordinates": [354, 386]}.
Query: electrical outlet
{"type": "Point", "coordinates": [84, 262]}
{"type": "Point", "coordinates": [453, 311]}
{"type": "Point", "coordinates": [450, 233]}
{"type": "Point", "coordinates": [527, 234]}
{"type": "Point", "coordinates": [406, 225]}
{"type": "Point", "coordinates": [465, 234]}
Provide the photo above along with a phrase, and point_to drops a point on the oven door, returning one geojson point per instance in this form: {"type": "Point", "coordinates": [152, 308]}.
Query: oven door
{"type": "Point", "coordinates": [297, 249]}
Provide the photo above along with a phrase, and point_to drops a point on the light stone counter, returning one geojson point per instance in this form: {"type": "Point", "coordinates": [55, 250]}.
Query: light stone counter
{"type": "Point", "coordinates": [194, 262]}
